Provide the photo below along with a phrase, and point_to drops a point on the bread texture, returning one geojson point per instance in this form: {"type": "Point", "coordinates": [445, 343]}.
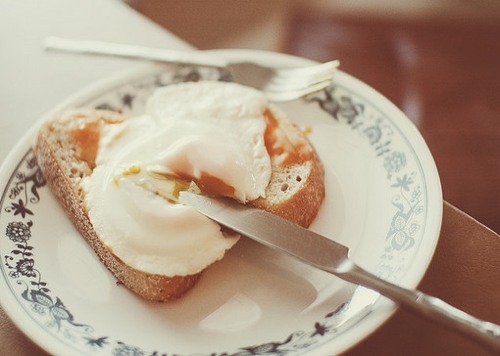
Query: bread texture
{"type": "Point", "coordinates": [66, 148]}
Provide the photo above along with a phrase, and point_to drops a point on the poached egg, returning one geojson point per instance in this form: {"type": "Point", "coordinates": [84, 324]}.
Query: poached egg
{"type": "Point", "coordinates": [209, 133]}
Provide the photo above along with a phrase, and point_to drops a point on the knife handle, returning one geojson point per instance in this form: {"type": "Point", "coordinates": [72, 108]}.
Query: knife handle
{"type": "Point", "coordinates": [484, 332]}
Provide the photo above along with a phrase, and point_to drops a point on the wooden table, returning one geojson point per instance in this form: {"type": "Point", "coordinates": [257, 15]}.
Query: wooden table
{"type": "Point", "coordinates": [444, 73]}
{"type": "Point", "coordinates": [465, 271]}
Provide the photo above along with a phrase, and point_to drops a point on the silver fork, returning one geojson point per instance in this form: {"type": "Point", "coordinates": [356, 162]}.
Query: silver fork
{"type": "Point", "coordinates": [278, 84]}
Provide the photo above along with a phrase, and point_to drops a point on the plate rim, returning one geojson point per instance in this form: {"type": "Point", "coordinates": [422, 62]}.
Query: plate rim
{"type": "Point", "coordinates": [372, 321]}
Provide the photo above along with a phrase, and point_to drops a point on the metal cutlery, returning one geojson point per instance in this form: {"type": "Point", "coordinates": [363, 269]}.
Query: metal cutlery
{"type": "Point", "coordinates": [278, 84]}
{"type": "Point", "coordinates": [332, 257]}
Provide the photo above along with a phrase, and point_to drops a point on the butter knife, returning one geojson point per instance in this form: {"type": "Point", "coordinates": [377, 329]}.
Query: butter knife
{"type": "Point", "coordinates": [332, 257]}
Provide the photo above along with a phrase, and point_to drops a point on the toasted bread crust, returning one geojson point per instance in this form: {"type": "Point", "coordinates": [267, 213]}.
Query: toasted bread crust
{"type": "Point", "coordinates": [296, 189]}
{"type": "Point", "coordinates": [64, 163]}
{"type": "Point", "coordinates": [55, 162]}
{"type": "Point", "coordinates": [303, 206]}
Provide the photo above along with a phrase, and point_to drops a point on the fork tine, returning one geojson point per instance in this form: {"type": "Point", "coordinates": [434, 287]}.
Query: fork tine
{"type": "Point", "coordinates": [287, 94]}
{"type": "Point", "coordinates": [295, 78]}
{"type": "Point", "coordinates": [299, 87]}
{"type": "Point", "coordinates": [296, 83]}
{"type": "Point", "coordinates": [311, 70]}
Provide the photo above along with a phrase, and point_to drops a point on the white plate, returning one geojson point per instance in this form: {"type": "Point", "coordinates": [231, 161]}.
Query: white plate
{"type": "Point", "coordinates": [383, 200]}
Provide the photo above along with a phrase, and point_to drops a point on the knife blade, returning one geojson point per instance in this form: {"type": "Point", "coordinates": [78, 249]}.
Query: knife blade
{"type": "Point", "coordinates": [269, 229]}
{"type": "Point", "coordinates": [332, 257]}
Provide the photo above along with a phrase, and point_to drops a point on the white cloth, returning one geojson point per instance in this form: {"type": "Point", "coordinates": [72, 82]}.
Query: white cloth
{"type": "Point", "coordinates": [32, 81]}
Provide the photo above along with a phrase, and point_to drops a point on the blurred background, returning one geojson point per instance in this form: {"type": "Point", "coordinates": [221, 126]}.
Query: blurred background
{"type": "Point", "coordinates": [437, 60]}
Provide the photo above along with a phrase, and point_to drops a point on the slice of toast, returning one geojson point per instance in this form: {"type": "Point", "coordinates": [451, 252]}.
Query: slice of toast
{"type": "Point", "coordinates": [66, 148]}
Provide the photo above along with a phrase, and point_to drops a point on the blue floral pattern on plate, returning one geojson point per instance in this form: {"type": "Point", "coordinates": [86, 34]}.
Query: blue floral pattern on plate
{"type": "Point", "coordinates": [21, 200]}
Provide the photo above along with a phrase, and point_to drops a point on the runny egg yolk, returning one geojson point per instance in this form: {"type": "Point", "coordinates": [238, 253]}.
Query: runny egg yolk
{"type": "Point", "coordinates": [221, 136]}
{"type": "Point", "coordinates": [287, 150]}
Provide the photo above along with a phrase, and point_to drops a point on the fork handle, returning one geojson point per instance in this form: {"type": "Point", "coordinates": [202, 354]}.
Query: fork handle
{"type": "Point", "coordinates": [132, 52]}
{"type": "Point", "coordinates": [486, 333]}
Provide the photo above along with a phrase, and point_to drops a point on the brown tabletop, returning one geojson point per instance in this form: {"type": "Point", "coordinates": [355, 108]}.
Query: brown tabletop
{"type": "Point", "coordinates": [465, 271]}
